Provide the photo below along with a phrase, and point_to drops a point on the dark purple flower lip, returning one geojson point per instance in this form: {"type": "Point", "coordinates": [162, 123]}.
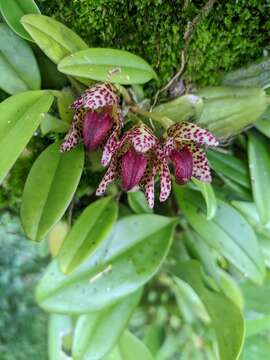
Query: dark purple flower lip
{"type": "Point", "coordinates": [183, 165]}
{"type": "Point", "coordinates": [96, 127]}
{"type": "Point", "coordinates": [133, 166]}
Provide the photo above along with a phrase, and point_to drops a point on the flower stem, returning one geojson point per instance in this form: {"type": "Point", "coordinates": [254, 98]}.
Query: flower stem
{"type": "Point", "coordinates": [162, 120]}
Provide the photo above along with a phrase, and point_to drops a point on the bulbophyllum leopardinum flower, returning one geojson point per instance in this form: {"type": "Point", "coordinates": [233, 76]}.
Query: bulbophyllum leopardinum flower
{"type": "Point", "coordinates": [136, 160]}
{"type": "Point", "coordinates": [183, 147]}
{"type": "Point", "coordinates": [97, 120]}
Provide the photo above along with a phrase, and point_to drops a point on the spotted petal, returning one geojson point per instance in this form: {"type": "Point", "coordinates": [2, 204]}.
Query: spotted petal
{"type": "Point", "coordinates": [110, 176]}
{"type": "Point", "coordinates": [201, 169]}
{"type": "Point", "coordinates": [74, 136]}
{"type": "Point", "coordinates": [164, 175]}
{"type": "Point", "coordinates": [190, 132]}
{"type": "Point", "coordinates": [97, 96]}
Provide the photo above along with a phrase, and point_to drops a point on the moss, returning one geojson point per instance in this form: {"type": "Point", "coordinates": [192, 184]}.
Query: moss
{"type": "Point", "coordinates": [233, 33]}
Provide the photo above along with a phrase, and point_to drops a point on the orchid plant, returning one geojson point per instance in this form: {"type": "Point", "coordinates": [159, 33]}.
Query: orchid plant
{"type": "Point", "coordinates": [181, 262]}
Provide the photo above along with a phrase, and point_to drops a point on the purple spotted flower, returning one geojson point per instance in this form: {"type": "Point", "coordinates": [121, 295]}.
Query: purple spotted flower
{"type": "Point", "coordinates": [97, 120]}
{"type": "Point", "coordinates": [136, 160]}
{"type": "Point", "coordinates": [183, 147]}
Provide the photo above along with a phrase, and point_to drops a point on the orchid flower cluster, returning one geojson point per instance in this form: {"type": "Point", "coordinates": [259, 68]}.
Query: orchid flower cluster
{"type": "Point", "coordinates": [138, 156]}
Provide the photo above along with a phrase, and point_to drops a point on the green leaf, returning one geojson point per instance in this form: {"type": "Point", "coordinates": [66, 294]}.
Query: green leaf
{"type": "Point", "coordinates": [256, 348]}
{"type": "Point", "coordinates": [52, 124]}
{"type": "Point", "coordinates": [227, 319]}
{"type": "Point", "coordinates": [18, 66]}
{"type": "Point", "coordinates": [138, 203]}
{"type": "Point", "coordinates": [259, 165]}
{"type": "Point", "coordinates": [209, 260]}
{"type": "Point", "coordinates": [92, 329]}
{"type": "Point", "coordinates": [249, 211]}
{"type": "Point", "coordinates": [64, 100]}
{"type": "Point", "coordinates": [228, 233]}
{"type": "Point", "coordinates": [49, 189]}
{"type": "Point", "coordinates": [115, 66]}
{"type": "Point", "coordinates": [256, 297]}
{"type": "Point", "coordinates": [229, 110]}
{"type": "Point", "coordinates": [263, 123]}
{"type": "Point", "coordinates": [182, 108]}
{"type": "Point", "coordinates": [257, 325]}
{"type": "Point", "coordinates": [121, 265]}
{"type": "Point", "coordinates": [60, 326]}
{"type": "Point", "coordinates": [13, 10]}
{"type": "Point", "coordinates": [91, 228]}
{"type": "Point", "coordinates": [55, 39]}
{"type": "Point", "coordinates": [230, 166]}
{"type": "Point", "coordinates": [130, 348]}
{"type": "Point", "coordinates": [21, 115]}
{"type": "Point", "coordinates": [209, 197]}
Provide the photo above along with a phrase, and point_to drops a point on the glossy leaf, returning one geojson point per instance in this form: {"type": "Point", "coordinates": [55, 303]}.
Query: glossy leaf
{"type": "Point", "coordinates": [229, 110]}
{"type": "Point", "coordinates": [226, 317]}
{"type": "Point", "coordinates": [130, 348]}
{"type": "Point", "coordinates": [49, 189]}
{"type": "Point", "coordinates": [229, 166]}
{"type": "Point", "coordinates": [18, 66]}
{"type": "Point", "coordinates": [263, 123]}
{"type": "Point", "coordinates": [115, 66]}
{"type": "Point", "coordinates": [255, 296]}
{"type": "Point", "coordinates": [92, 329]}
{"type": "Point", "coordinates": [249, 211]}
{"type": "Point", "coordinates": [228, 233]}
{"type": "Point", "coordinates": [13, 10]}
{"type": "Point", "coordinates": [92, 227]}
{"type": "Point", "coordinates": [64, 100]}
{"type": "Point", "coordinates": [259, 165]}
{"type": "Point", "coordinates": [209, 260]}
{"type": "Point", "coordinates": [121, 264]}
{"type": "Point", "coordinates": [52, 124]}
{"type": "Point", "coordinates": [55, 39]}
{"type": "Point", "coordinates": [22, 115]}
{"type": "Point", "coordinates": [138, 203]}
{"type": "Point", "coordinates": [208, 193]}
{"type": "Point", "coordinates": [59, 327]}
{"type": "Point", "coordinates": [182, 108]}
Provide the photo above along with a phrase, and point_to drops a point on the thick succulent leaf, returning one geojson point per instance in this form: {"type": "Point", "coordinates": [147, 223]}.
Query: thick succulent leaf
{"type": "Point", "coordinates": [52, 124]}
{"type": "Point", "coordinates": [13, 10]}
{"type": "Point", "coordinates": [259, 165]}
{"type": "Point", "coordinates": [92, 329]}
{"type": "Point", "coordinates": [228, 233]}
{"type": "Point", "coordinates": [208, 193]}
{"type": "Point", "coordinates": [60, 327]}
{"type": "Point", "coordinates": [55, 39]}
{"type": "Point", "coordinates": [229, 110]}
{"type": "Point", "coordinates": [229, 166]}
{"type": "Point", "coordinates": [123, 263]}
{"type": "Point", "coordinates": [21, 114]}
{"type": "Point", "coordinates": [138, 203]}
{"type": "Point", "coordinates": [49, 189]}
{"type": "Point", "coordinates": [92, 227]}
{"type": "Point", "coordinates": [226, 317]}
{"type": "Point", "coordinates": [18, 66]}
{"type": "Point", "coordinates": [181, 109]}
{"type": "Point", "coordinates": [116, 66]}
{"type": "Point", "coordinates": [130, 348]}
